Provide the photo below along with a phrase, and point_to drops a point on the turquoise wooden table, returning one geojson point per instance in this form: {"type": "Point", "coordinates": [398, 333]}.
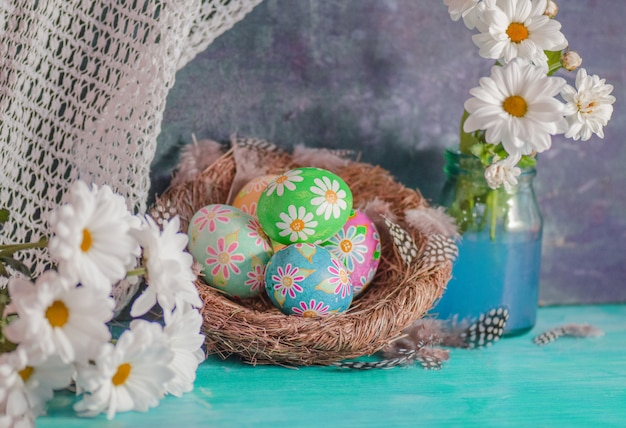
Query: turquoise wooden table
{"type": "Point", "coordinates": [570, 383]}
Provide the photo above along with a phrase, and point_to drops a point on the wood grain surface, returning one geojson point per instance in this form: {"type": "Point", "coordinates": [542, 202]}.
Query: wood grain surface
{"type": "Point", "coordinates": [568, 383]}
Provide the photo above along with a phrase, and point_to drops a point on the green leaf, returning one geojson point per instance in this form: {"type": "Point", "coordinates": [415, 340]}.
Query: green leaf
{"type": "Point", "coordinates": [6, 346]}
{"type": "Point", "coordinates": [554, 61]}
{"type": "Point", "coordinates": [477, 150]}
{"type": "Point", "coordinates": [527, 162]}
{"type": "Point", "coordinates": [326, 286]}
{"type": "Point", "coordinates": [16, 265]}
{"type": "Point", "coordinates": [4, 298]}
{"type": "Point", "coordinates": [499, 150]}
{"type": "Point", "coordinates": [484, 152]}
{"type": "Point", "coordinates": [4, 215]}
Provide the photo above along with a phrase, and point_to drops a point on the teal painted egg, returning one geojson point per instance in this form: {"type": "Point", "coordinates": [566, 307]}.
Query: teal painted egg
{"type": "Point", "coordinates": [307, 280]}
{"type": "Point", "coordinates": [357, 245]}
{"type": "Point", "coordinates": [232, 249]}
{"type": "Point", "coordinates": [304, 205]}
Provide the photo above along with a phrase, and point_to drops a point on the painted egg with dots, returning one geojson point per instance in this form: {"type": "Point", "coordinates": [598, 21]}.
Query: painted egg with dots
{"type": "Point", "coordinates": [304, 205]}
{"type": "Point", "coordinates": [357, 245]}
{"type": "Point", "coordinates": [232, 249]}
{"type": "Point", "coordinates": [307, 280]}
{"type": "Point", "coordinates": [247, 198]}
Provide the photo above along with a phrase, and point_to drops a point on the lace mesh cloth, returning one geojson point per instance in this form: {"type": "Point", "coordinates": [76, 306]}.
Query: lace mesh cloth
{"type": "Point", "coordinates": [83, 86]}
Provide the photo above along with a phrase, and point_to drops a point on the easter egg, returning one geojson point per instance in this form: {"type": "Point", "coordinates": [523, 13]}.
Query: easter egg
{"type": "Point", "coordinates": [232, 249]}
{"type": "Point", "coordinates": [304, 205]}
{"type": "Point", "coordinates": [307, 280]}
{"type": "Point", "coordinates": [357, 245]}
{"type": "Point", "coordinates": [248, 197]}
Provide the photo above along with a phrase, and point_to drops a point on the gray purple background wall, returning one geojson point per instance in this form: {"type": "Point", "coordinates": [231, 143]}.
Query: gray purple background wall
{"type": "Point", "coordinates": [389, 78]}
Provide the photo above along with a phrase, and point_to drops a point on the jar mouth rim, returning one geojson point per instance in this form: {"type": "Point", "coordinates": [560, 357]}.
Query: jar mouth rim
{"type": "Point", "coordinates": [456, 153]}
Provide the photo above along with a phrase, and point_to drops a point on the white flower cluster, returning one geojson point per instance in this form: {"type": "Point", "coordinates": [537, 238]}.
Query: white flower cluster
{"type": "Point", "coordinates": [61, 322]}
{"type": "Point", "coordinates": [517, 106]}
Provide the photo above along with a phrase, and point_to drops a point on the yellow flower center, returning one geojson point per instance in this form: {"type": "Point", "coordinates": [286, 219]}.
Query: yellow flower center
{"type": "Point", "coordinates": [346, 245]}
{"type": "Point", "coordinates": [223, 258]}
{"type": "Point", "coordinates": [57, 314]}
{"type": "Point", "coordinates": [344, 277]}
{"type": "Point", "coordinates": [586, 109]}
{"type": "Point", "coordinates": [287, 281]}
{"type": "Point", "coordinates": [282, 179]}
{"type": "Point", "coordinates": [87, 241]}
{"type": "Point", "coordinates": [331, 197]}
{"type": "Point", "coordinates": [309, 314]}
{"type": "Point", "coordinates": [297, 225]}
{"type": "Point", "coordinates": [515, 106]}
{"type": "Point", "coordinates": [26, 373]}
{"type": "Point", "coordinates": [517, 32]}
{"type": "Point", "coordinates": [122, 373]}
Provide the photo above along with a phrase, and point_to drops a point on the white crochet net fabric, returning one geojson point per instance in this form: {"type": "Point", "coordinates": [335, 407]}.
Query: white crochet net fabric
{"type": "Point", "coordinates": [83, 85]}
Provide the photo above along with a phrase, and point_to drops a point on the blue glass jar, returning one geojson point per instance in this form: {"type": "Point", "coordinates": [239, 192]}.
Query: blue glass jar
{"type": "Point", "coordinates": [500, 251]}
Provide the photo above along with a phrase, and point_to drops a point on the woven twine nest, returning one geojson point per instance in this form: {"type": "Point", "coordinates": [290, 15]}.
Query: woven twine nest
{"type": "Point", "coordinates": [258, 332]}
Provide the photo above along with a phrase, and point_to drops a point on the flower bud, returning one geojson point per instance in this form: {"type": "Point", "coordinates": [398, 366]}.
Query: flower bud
{"type": "Point", "coordinates": [551, 9]}
{"type": "Point", "coordinates": [571, 60]}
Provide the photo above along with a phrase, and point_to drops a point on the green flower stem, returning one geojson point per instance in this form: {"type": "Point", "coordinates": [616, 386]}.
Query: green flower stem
{"type": "Point", "coordinates": [492, 207]}
{"type": "Point", "coordinates": [9, 249]}
{"type": "Point", "coordinates": [137, 272]}
{"type": "Point", "coordinates": [467, 140]}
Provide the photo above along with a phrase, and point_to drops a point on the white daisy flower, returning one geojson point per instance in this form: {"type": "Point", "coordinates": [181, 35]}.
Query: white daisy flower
{"type": "Point", "coordinates": [91, 242]}
{"type": "Point", "coordinates": [185, 340]}
{"type": "Point", "coordinates": [38, 377]}
{"type": "Point", "coordinates": [128, 376]}
{"type": "Point", "coordinates": [503, 172]}
{"type": "Point", "coordinates": [169, 275]}
{"type": "Point", "coordinates": [331, 199]}
{"type": "Point", "coordinates": [15, 408]}
{"type": "Point", "coordinates": [516, 107]}
{"type": "Point", "coordinates": [297, 223]}
{"type": "Point", "coordinates": [466, 9]}
{"type": "Point", "coordinates": [589, 107]}
{"type": "Point", "coordinates": [284, 181]}
{"type": "Point", "coordinates": [57, 318]}
{"type": "Point", "coordinates": [518, 28]}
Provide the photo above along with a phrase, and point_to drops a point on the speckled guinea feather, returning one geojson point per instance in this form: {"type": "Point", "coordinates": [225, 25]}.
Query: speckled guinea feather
{"type": "Point", "coordinates": [403, 241]}
{"type": "Point", "coordinates": [162, 211]}
{"type": "Point", "coordinates": [439, 249]}
{"type": "Point", "coordinates": [487, 330]}
{"type": "Point", "coordinates": [420, 341]}
{"type": "Point", "coordinates": [571, 330]}
{"type": "Point", "coordinates": [381, 364]}
{"type": "Point", "coordinates": [256, 144]}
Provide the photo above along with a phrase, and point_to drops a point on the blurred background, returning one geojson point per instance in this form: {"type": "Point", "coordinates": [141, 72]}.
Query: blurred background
{"type": "Point", "coordinates": [389, 78]}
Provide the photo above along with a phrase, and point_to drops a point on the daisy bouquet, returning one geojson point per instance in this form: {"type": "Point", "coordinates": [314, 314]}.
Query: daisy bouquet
{"type": "Point", "coordinates": [514, 113]}
{"type": "Point", "coordinates": [57, 330]}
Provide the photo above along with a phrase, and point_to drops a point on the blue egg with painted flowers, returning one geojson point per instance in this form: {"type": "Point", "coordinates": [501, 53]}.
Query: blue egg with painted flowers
{"type": "Point", "coordinates": [307, 280]}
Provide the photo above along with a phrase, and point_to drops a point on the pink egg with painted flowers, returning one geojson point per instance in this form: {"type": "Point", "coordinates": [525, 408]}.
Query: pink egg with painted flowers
{"type": "Point", "coordinates": [357, 245]}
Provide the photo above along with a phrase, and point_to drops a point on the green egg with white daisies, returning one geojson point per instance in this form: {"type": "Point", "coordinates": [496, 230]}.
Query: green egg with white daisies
{"type": "Point", "coordinates": [304, 205]}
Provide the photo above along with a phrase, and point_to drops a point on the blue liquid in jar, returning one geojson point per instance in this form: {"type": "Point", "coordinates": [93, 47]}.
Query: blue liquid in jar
{"type": "Point", "coordinates": [489, 274]}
